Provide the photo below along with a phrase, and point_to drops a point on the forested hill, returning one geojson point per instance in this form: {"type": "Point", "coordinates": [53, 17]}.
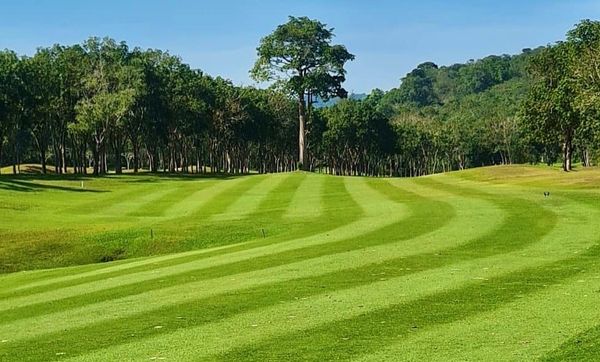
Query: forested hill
{"type": "Point", "coordinates": [430, 85]}
{"type": "Point", "coordinates": [474, 104]}
{"type": "Point", "coordinates": [540, 105]}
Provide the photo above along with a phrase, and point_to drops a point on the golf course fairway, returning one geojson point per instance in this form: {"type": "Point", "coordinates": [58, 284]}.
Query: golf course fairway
{"type": "Point", "coordinates": [474, 265]}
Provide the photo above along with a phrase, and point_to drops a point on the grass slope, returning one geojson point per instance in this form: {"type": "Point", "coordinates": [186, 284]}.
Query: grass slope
{"type": "Point", "coordinates": [474, 265]}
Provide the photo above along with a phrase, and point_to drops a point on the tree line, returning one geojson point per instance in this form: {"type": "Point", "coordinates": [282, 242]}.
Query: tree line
{"type": "Point", "coordinates": [539, 106]}
{"type": "Point", "coordinates": [102, 105]}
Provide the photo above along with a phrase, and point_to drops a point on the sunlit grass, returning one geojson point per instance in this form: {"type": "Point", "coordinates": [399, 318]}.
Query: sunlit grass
{"type": "Point", "coordinates": [472, 265]}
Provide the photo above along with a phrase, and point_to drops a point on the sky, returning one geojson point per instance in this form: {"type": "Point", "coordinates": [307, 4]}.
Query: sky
{"type": "Point", "coordinates": [389, 38]}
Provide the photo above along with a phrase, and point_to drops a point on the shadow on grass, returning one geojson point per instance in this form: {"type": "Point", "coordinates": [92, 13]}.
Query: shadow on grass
{"type": "Point", "coordinates": [584, 346]}
{"type": "Point", "coordinates": [27, 182]}
{"type": "Point", "coordinates": [141, 177]}
{"type": "Point", "coordinates": [28, 185]}
{"type": "Point", "coordinates": [147, 177]}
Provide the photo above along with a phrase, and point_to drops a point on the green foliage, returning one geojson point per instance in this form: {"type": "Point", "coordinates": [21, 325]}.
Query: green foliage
{"type": "Point", "coordinates": [9, 99]}
{"type": "Point", "coordinates": [103, 105]}
{"type": "Point", "coordinates": [459, 116]}
{"type": "Point", "coordinates": [430, 85]}
{"type": "Point", "coordinates": [417, 88]}
{"type": "Point", "coordinates": [300, 53]}
{"type": "Point", "coordinates": [561, 108]}
{"type": "Point", "coordinates": [356, 137]}
{"type": "Point", "coordinates": [299, 57]}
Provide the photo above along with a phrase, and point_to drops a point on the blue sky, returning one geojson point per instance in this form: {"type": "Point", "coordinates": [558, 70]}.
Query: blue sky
{"type": "Point", "coordinates": [389, 38]}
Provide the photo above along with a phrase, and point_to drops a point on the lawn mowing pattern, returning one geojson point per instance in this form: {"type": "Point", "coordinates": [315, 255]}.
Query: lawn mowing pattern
{"type": "Point", "coordinates": [582, 346]}
{"type": "Point", "coordinates": [385, 268]}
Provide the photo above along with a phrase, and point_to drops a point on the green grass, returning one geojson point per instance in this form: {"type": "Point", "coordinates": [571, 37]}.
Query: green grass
{"type": "Point", "coordinates": [473, 265]}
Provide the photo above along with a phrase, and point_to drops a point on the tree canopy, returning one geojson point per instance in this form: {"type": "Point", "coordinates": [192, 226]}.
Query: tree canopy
{"type": "Point", "coordinates": [102, 106]}
{"type": "Point", "coordinates": [300, 58]}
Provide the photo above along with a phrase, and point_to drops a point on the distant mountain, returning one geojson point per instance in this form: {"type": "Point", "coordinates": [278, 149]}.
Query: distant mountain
{"type": "Point", "coordinates": [320, 103]}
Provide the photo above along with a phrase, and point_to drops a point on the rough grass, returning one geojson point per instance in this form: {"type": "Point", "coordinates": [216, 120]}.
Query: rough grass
{"type": "Point", "coordinates": [473, 265]}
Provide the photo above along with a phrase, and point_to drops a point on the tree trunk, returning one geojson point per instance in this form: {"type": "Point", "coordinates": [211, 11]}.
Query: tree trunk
{"type": "Point", "coordinates": [302, 132]}
{"type": "Point", "coordinates": [43, 160]}
{"type": "Point", "coordinates": [104, 161]}
{"type": "Point", "coordinates": [63, 152]}
{"type": "Point", "coordinates": [153, 160]}
{"type": "Point", "coordinates": [136, 157]}
{"type": "Point", "coordinates": [15, 159]}
{"type": "Point", "coordinates": [567, 154]}
{"type": "Point", "coordinates": [57, 163]}
{"type": "Point", "coordinates": [97, 159]}
{"type": "Point", "coordinates": [587, 160]}
{"type": "Point", "coordinates": [118, 167]}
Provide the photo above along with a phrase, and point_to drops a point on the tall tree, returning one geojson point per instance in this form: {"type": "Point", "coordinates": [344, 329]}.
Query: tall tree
{"type": "Point", "coordinates": [299, 55]}
{"type": "Point", "coordinates": [40, 95]}
{"type": "Point", "coordinates": [9, 82]}
{"type": "Point", "coordinates": [586, 41]}
{"type": "Point", "coordinates": [69, 72]}
{"type": "Point", "coordinates": [110, 94]}
{"type": "Point", "coordinates": [550, 104]}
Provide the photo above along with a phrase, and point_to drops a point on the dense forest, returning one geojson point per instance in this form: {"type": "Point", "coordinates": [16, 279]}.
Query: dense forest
{"type": "Point", "coordinates": [104, 106]}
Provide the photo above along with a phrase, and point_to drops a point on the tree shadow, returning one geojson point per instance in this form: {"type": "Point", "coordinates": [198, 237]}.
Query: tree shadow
{"type": "Point", "coordinates": [26, 184]}
{"type": "Point", "coordinates": [146, 177]}
{"type": "Point", "coordinates": [143, 176]}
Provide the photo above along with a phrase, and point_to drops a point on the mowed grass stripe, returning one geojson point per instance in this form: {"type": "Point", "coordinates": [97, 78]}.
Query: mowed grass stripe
{"type": "Point", "coordinates": [250, 201]}
{"type": "Point", "coordinates": [108, 199]}
{"type": "Point", "coordinates": [273, 206]}
{"type": "Point", "coordinates": [129, 205]}
{"type": "Point", "coordinates": [259, 257]}
{"type": "Point", "coordinates": [349, 276]}
{"type": "Point", "coordinates": [307, 202]}
{"type": "Point", "coordinates": [249, 328]}
{"type": "Point", "coordinates": [180, 191]}
{"type": "Point", "coordinates": [581, 346]}
{"type": "Point", "coordinates": [364, 332]}
{"type": "Point", "coordinates": [353, 275]}
{"type": "Point", "coordinates": [214, 193]}
{"type": "Point", "coordinates": [532, 256]}
{"type": "Point", "coordinates": [21, 280]}
{"type": "Point", "coordinates": [537, 323]}
{"type": "Point", "coordinates": [208, 189]}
